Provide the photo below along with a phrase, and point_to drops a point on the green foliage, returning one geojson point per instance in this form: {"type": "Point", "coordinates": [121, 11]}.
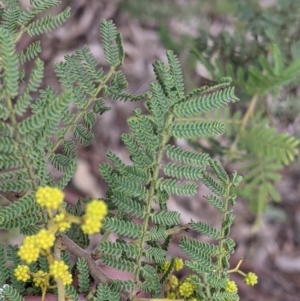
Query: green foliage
{"type": "Point", "coordinates": [70, 291]}
{"type": "Point", "coordinates": [3, 265]}
{"type": "Point", "coordinates": [138, 192]}
{"type": "Point", "coordinates": [11, 293]}
{"type": "Point", "coordinates": [105, 293]}
{"type": "Point", "coordinates": [265, 73]}
{"type": "Point", "coordinates": [38, 134]}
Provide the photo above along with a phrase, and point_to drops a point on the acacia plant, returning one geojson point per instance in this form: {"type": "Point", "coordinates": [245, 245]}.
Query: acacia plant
{"type": "Point", "coordinates": [34, 126]}
{"type": "Point", "coordinates": [263, 58]}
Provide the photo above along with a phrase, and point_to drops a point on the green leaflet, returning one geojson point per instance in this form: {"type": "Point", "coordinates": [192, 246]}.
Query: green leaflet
{"type": "Point", "coordinates": [282, 147]}
{"type": "Point", "coordinates": [48, 23]}
{"type": "Point", "coordinates": [195, 129]}
{"type": "Point", "coordinates": [9, 62]}
{"type": "Point", "coordinates": [122, 227]}
{"type": "Point", "coordinates": [105, 293]}
{"type": "Point", "coordinates": [188, 157]}
{"type": "Point", "coordinates": [5, 272]}
{"type": "Point", "coordinates": [117, 248]}
{"type": "Point", "coordinates": [83, 276]}
{"type": "Point", "coordinates": [11, 294]}
{"type": "Point", "coordinates": [205, 102]}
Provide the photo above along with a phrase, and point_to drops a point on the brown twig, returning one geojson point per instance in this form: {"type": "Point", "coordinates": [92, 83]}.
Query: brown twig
{"type": "Point", "coordinates": [95, 271]}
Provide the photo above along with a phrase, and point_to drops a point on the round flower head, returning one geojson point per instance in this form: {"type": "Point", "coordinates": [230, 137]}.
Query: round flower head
{"type": "Point", "coordinates": [22, 273]}
{"type": "Point", "coordinates": [95, 212]}
{"type": "Point", "coordinates": [91, 226]}
{"type": "Point", "coordinates": [49, 197]}
{"type": "Point", "coordinates": [165, 266]}
{"type": "Point", "coordinates": [251, 279]}
{"type": "Point", "coordinates": [186, 289]}
{"type": "Point", "coordinates": [178, 264]}
{"type": "Point", "coordinates": [231, 287]}
{"type": "Point", "coordinates": [97, 209]}
{"type": "Point", "coordinates": [170, 295]}
{"type": "Point", "coordinates": [172, 282]}
{"type": "Point", "coordinates": [45, 239]}
{"type": "Point", "coordinates": [59, 270]}
{"type": "Point", "coordinates": [28, 251]}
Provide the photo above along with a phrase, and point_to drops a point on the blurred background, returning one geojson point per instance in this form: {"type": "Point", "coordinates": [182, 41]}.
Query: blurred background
{"type": "Point", "coordinates": [212, 38]}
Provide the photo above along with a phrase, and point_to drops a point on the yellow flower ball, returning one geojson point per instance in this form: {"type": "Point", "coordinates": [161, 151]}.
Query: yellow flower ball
{"type": "Point", "coordinates": [21, 272]}
{"type": "Point", "coordinates": [45, 239]}
{"type": "Point", "coordinates": [91, 226]}
{"type": "Point", "coordinates": [59, 270]}
{"type": "Point", "coordinates": [97, 209]}
{"type": "Point", "coordinates": [231, 287]}
{"type": "Point", "coordinates": [95, 212]}
{"type": "Point", "coordinates": [170, 295]}
{"type": "Point", "coordinates": [178, 264]}
{"type": "Point", "coordinates": [251, 279]}
{"type": "Point", "coordinates": [172, 282]}
{"type": "Point", "coordinates": [28, 251]}
{"type": "Point", "coordinates": [49, 197]}
{"type": "Point", "coordinates": [186, 289]}
{"type": "Point", "coordinates": [165, 266]}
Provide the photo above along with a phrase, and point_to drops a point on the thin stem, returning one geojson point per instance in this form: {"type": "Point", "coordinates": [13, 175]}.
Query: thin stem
{"type": "Point", "coordinates": [237, 267]}
{"type": "Point", "coordinates": [156, 169]}
{"type": "Point", "coordinates": [22, 30]}
{"type": "Point", "coordinates": [60, 285]}
{"type": "Point", "coordinates": [221, 244]}
{"type": "Point", "coordinates": [170, 231]}
{"type": "Point", "coordinates": [60, 290]}
{"type": "Point", "coordinates": [96, 252]}
{"type": "Point", "coordinates": [249, 113]}
{"type": "Point", "coordinates": [196, 118]}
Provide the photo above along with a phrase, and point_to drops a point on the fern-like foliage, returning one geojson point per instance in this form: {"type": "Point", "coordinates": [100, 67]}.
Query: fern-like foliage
{"type": "Point", "coordinates": [261, 70]}
{"type": "Point", "coordinates": [30, 145]}
{"type": "Point", "coordinates": [134, 188]}
{"type": "Point", "coordinates": [11, 293]}
{"type": "Point", "coordinates": [83, 276]}
{"type": "Point", "coordinates": [138, 192]}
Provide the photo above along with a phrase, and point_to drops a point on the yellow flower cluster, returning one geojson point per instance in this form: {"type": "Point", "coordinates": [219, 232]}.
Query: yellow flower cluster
{"type": "Point", "coordinates": [170, 295]}
{"type": "Point", "coordinates": [30, 249]}
{"type": "Point", "coordinates": [59, 270]}
{"type": "Point", "coordinates": [178, 264]}
{"type": "Point", "coordinates": [231, 287]}
{"type": "Point", "coordinates": [49, 197]}
{"type": "Point", "coordinates": [40, 279]}
{"type": "Point", "coordinates": [251, 279]}
{"type": "Point", "coordinates": [41, 243]}
{"type": "Point", "coordinates": [45, 239]}
{"type": "Point", "coordinates": [95, 212]}
{"type": "Point", "coordinates": [172, 282]}
{"type": "Point", "coordinates": [62, 223]}
{"type": "Point", "coordinates": [22, 273]}
{"type": "Point", "coordinates": [186, 289]}
{"type": "Point", "coordinates": [165, 266]}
